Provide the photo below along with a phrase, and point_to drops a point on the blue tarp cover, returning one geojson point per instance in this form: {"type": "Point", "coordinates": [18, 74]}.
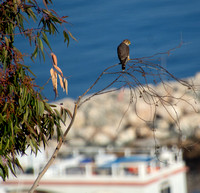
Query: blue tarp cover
{"type": "Point", "coordinates": [128, 159]}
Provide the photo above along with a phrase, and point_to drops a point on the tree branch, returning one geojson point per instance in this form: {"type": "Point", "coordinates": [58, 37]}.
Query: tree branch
{"type": "Point", "coordinates": [53, 157]}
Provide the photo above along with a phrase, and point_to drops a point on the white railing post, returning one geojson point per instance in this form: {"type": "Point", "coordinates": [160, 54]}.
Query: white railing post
{"type": "Point", "coordinates": [114, 170]}
{"type": "Point", "coordinates": [88, 169]}
{"type": "Point", "coordinates": [142, 170]}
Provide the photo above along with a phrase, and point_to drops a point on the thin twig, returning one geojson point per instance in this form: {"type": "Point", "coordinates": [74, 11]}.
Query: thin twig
{"type": "Point", "coordinates": [128, 78]}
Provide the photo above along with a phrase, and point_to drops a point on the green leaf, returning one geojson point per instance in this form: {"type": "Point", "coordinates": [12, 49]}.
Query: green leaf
{"type": "Point", "coordinates": [7, 41]}
{"type": "Point", "coordinates": [27, 100]}
{"type": "Point", "coordinates": [34, 54]}
{"type": "Point", "coordinates": [3, 169]}
{"type": "Point", "coordinates": [57, 113]}
{"type": "Point", "coordinates": [40, 107]}
{"type": "Point", "coordinates": [48, 107]}
{"type": "Point", "coordinates": [5, 53]}
{"type": "Point", "coordinates": [5, 107]}
{"type": "Point", "coordinates": [40, 44]}
{"type": "Point", "coordinates": [46, 40]}
{"type": "Point", "coordinates": [43, 55]}
{"type": "Point", "coordinates": [31, 130]}
{"type": "Point", "coordinates": [30, 13]}
{"type": "Point", "coordinates": [1, 142]}
{"type": "Point", "coordinates": [10, 123]}
{"type": "Point", "coordinates": [53, 28]}
{"type": "Point", "coordinates": [46, 11]}
{"type": "Point", "coordinates": [28, 68]}
{"type": "Point", "coordinates": [2, 118]}
{"type": "Point", "coordinates": [32, 145]}
{"type": "Point", "coordinates": [68, 112]}
{"type": "Point", "coordinates": [66, 36]}
{"type": "Point", "coordinates": [6, 147]}
{"type": "Point", "coordinates": [11, 168]}
{"type": "Point", "coordinates": [26, 114]}
{"type": "Point", "coordinates": [18, 164]}
{"type": "Point", "coordinates": [52, 105]}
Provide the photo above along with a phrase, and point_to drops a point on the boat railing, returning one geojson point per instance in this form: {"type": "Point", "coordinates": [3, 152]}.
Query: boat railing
{"type": "Point", "coordinates": [106, 163]}
{"type": "Point", "coordinates": [138, 169]}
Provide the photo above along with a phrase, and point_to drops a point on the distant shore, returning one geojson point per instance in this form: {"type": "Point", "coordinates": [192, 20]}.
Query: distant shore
{"type": "Point", "coordinates": [117, 119]}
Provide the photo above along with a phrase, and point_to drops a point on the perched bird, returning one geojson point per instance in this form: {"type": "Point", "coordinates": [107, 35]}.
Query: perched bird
{"type": "Point", "coordinates": [123, 52]}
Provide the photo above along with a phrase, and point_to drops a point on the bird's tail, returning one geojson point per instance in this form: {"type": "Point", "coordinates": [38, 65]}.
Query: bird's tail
{"type": "Point", "coordinates": [123, 66]}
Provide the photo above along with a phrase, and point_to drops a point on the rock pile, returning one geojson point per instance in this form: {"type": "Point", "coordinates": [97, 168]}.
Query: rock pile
{"type": "Point", "coordinates": [131, 117]}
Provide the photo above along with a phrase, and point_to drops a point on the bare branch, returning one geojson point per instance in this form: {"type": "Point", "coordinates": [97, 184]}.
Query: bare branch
{"type": "Point", "coordinates": [139, 74]}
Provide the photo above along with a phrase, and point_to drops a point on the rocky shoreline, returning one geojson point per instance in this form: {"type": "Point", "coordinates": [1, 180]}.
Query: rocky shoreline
{"type": "Point", "coordinates": [117, 119]}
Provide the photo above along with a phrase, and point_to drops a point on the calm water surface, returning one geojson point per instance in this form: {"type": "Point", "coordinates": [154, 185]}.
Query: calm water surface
{"type": "Point", "coordinates": [151, 25]}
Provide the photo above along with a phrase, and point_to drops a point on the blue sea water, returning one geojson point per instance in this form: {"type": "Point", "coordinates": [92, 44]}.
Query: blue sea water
{"type": "Point", "coordinates": [99, 26]}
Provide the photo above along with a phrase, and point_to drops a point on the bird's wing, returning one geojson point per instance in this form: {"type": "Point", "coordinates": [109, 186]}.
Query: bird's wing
{"type": "Point", "coordinates": [123, 52]}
